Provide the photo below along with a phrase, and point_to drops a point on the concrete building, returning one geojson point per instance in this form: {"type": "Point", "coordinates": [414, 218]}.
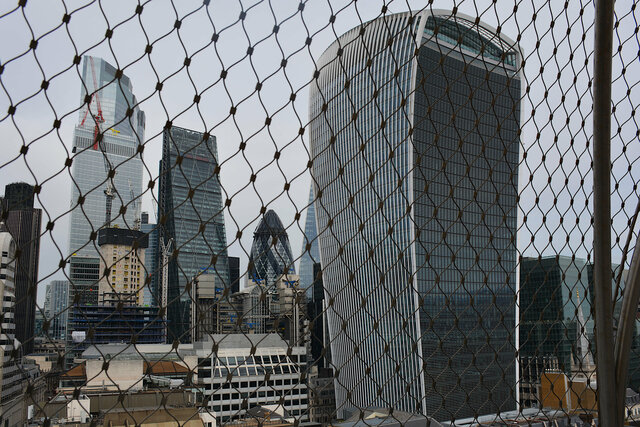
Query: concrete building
{"type": "Point", "coordinates": [410, 113]}
{"type": "Point", "coordinates": [122, 254]}
{"type": "Point", "coordinates": [322, 395]}
{"type": "Point", "coordinates": [254, 303]}
{"type": "Point", "coordinates": [289, 310]}
{"type": "Point", "coordinates": [252, 370]}
{"type": "Point", "coordinates": [23, 222]}
{"type": "Point", "coordinates": [203, 305]}
{"type": "Point", "coordinates": [229, 374]}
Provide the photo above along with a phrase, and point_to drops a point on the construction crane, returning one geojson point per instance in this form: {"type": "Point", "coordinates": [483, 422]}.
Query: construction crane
{"type": "Point", "coordinates": [109, 192]}
{"type": "Point", "coordinates": [137, 221]}
{"type": "Point", "coordinates": [164, 292]}
{"type": "Point", "coordinates": [97, 118]}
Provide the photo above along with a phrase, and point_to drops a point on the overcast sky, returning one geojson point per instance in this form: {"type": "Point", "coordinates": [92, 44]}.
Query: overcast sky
{"type": "Point", "coordinates": [556, 110]}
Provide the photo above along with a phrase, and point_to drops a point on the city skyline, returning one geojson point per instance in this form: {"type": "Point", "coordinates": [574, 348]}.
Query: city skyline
{"type": "Point", "coordinates": [434, 176]}
{"type": "Point", "coordinates": [285, 125]}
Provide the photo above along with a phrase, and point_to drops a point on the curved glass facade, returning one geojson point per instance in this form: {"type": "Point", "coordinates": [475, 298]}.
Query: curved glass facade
{"type": "Point", "coordinates": [270, 255]}
{"type": "Point", "coordinates": [415, 148]}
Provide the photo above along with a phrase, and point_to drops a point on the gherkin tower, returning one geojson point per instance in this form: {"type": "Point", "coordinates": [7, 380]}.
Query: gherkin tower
{"type": "Point", "coordinates": [271, 252]}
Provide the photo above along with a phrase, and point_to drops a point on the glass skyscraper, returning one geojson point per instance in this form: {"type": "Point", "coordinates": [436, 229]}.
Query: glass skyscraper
{"type": "Point", "coordinates": [55, 308]}
{"type": "Point", "coordinates": [108, 108]}
{"type": "Point", "coordinates": [309, 256]}
{"type": "Point", "coordinates": [414, 121]}
{"type": "Point", "coordinates": [552, 290]}
{"type": "Point", "coordinates": [151, 296]}
{"type": "Point", "coordinates": [270, 255]}
{"type": "Point", "coordinates": [191, 217]}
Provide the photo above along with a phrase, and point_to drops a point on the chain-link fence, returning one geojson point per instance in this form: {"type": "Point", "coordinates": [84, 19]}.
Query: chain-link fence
{"type": "Point", "coordinates": [319, 213]}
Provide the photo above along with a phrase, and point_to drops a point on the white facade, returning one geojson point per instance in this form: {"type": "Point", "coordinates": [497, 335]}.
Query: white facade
{"type": "Point", "coordinates": [10, 386]}
{"type": "Point", "coordinates": [257, 368]}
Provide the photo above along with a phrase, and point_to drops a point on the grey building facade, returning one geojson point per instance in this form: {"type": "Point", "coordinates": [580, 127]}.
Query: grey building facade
{"type": "Point", "coordinates": [310, 250]}
{"type": "Point", "coordinates": [191, 216]}
{"type": "Point", "coordinates": [414, 121]}
{"type": "Point", "coordinates": [23, 222]}
{"type": "Point", "coordinates": [151, 263]}
{"type": "Point", "coordinates": [55, 308]}
{"type": "Point", "coordinates": [234, 273]}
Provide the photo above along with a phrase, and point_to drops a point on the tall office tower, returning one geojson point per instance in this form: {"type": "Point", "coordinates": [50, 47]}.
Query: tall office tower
{"type": "Point", "coordinates": [270, 255]}
{"type": "Point", "coordinates": [18, 195]}
{"type": "Point", "coordinates": [234, 274]}
{"type": "Point", "coordinates": [191, 219]}
{"type": "Point", "coordinates": [552, 291]}
{"type": "Point", "coordinates": [316, 309]}
{"type": "Point", "coordinates": [109, 131]}
{"type": "Point", "coordinates": [23, 222]}
{"type": "Point", "coordinates": [414, 140]}
{"type": "Point", "coordinates": [310, 250]}
{"type": "Point", "coordinates": [152, 275]}
{"type": "Point", "coordinates": [10, 378]}
{"type": "Point", "coordinates": [55, 308]}
{"type": "Point", "coordinates": [555, 322]}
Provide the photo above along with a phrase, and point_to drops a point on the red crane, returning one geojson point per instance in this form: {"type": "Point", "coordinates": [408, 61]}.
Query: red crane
{"type": "Point", "coordinates": [98, 118]}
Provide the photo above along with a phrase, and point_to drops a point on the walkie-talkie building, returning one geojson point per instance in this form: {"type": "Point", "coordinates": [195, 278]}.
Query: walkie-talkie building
{"type": "Point", "coordinates": [270, 255]}
{"type": "Point", "coordinates": [414, 139]}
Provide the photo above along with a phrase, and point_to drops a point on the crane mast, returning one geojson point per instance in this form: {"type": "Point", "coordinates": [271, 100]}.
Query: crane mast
{"type": "Point", "coordinates": [137, 221]}
{"type": "Point", "coordinates": [164, 292]}
{"type": "Point", "coordinates": [109, 192]}
{"type": "Point", "coordinates": [98, 119]}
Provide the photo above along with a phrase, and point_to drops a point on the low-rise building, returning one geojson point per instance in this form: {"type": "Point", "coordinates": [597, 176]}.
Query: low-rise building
{"type": "Point", "coordinates": [97, 324]}
{"type": "Point", "coordinates": [226, 374]}
{"type": "Point", "coordinates": [252, 370]}
{"type": "Point", "coordinates": [322, 395]}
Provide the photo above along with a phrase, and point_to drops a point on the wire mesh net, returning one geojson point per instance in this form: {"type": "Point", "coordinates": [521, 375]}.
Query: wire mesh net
{"type": "Point", "coordinates": [317, 212]}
